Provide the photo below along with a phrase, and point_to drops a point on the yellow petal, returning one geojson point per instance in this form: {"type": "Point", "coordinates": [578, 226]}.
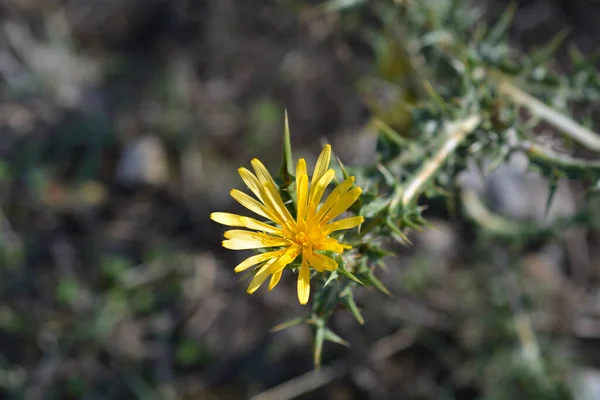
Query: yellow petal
{"type": "Point", "coordinates": [321, 262]}
{"type": "Point", "coordinates": [247, 222]}
{"type": "Point", "coordinates": [242, 234]}
{"type": "Point", "coordinates": [289, 256]}
{"type": "Point", "coordinates": [322, 164]}
{"type": "Point", "coordinates": [271, 267]}
{"type": "Point", "coordinates": [261, 172]}
{"type": "Point", "coordinates": [301, 168]}
{"type": "Point", "coordinates": [251, 261]}
{"type": "Point", "coordinates": [253, 205]}
{"type": "Point", "coordinates": [334, 197]}
{"type": "Point", "coordinates": [251, 223]}
{"type": "Point", "coordinates": [261, 276]}
{"type": "Point", "coordinates": [237, 244]}
{"type": "Point", "coordinates": [342, 205]}
{"type": "Point", "coordinates": [226, 218]}
{"type": "Point", "coordinates": [251, 181]}
{"type": "Point", "coordinates": [317, 190]}
{"type": "Point", "coordinates": [346, 223]}
{"type": "Point", "coordinates": [244, 240]}
{"type": "Point", "coordinates": [275, 204]}
{"type": "Point", "coordinates": [304, 282]}
{"type": "Point", "coordinates": [307, 254]}
{"type": "Point", "coordinates": [301, 188]}
{"type": "Point", "coordinates": [331, 244]}
{"type": "Point", "coordinates": [275, 279]}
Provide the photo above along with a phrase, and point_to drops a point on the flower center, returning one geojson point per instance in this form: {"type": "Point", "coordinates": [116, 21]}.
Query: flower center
{"type": "Point", "coordinates": [301, 238]}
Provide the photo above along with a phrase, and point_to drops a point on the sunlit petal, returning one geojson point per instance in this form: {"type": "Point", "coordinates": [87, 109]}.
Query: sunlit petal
{"type": "Point", "coordinates": [346, 223]}
{"type": "Point", "coordinates": [253, 205]}
{"type": "Point", "coordinates": [316, 191]}
{"type": "Point", "coordinates": [322, 164]}
{"type": "Point", "coordinates": [247, 222]}
{"type": "Point", "coordinates": [307, 254]}
{"type": "Point", "coordinates": [251, 261]}
{"type": "Point", "coordinates": [275, 204]}
{"type": "Point", "coordinates": [301, 188]}
{"type": "Point", "coordinates": [226, 218]}
{"type": "Point", "coordinates": [251, 223]}
{"type": "Point", "coordinates": [262, 173]}
{"type": "Point", "coordinates": [331, 244]}
{"type": "Point", "coordinates": [273, 266]}
{"type": "Point", "coordinates": [275, 279]}
{"type": "Point", "coordinates": [334, 197]}
{"type": "Point", "coordinates": [261, 276]}
{"type": "Point", "coordinates": [320, 261]}
{"type": "Point", "coordinates": [342, 205]}
{"type": "Point", "coordinates": [251, 181]}
{"type": "Point", "coordinates": [244, 240]}
{"type": "Point", "coordinates": [304, 282]}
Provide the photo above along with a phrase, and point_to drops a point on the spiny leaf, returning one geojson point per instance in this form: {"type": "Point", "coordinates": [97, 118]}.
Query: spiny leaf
{"type": "Point", "coordinates": [390, 133]}
{"type": "Point", "coordinates": [396, 199]}
{"type": "Point", "coordinates": [286, 169]}
{"type": "Point", "coordinates": [397, 234]}
{"type": "Point", "coordinates": [288, 324]}
{"type": "Point", "coordinates": [543, 54]}
{"type": "Point", "coordinates": [372, 279]}
{"type": "Point", "coordinates": [374, 207]}
{"type": "Point", "coordinates": [577, 57]}
{"type": "Point", "coordinates": [325, 301]}
{"type": "Point", "coordinates": [344, 172]}
{"type": "Point", "coordinates": [407, 221]}
{"type": "Point", "coordinates": [339, 5]}
{"type": "Point", "coordinates": [500, 29]}
{"type": "Point", "coordinates": [551, 193]}
{"type": "Point", "coordinates": [373, 251]}
{"type": "Point", "coordinates": [382, 265]}
{"type": "Point", "coordinates": [319, 339]}
{"type": "Point", "coordinates": [434, 95]}
{"type": "Point", "coordinates": [347, 274]}
{"type": "Point", "coordinates": [581, 62]}
{"type": "Point", "coordinates": [332, 337]}
{"type": "Point", "coordinates": [387, 175]}
{"type": "Point", "coordinates": [333, 276]}
{"type": "Point", "coordinates": [348, 299]}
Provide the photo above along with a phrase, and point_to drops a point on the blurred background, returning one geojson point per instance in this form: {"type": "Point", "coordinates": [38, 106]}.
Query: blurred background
{"type": "Point", "coordinates": [122, 125]}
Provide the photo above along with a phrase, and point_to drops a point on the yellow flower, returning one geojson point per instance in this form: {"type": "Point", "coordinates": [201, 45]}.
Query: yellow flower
{"type": "Point", "coordinates": [291, 237]}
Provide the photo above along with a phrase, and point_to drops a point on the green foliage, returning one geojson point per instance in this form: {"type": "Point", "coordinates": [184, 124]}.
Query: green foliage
{"type": "Point", "coordinates": [454, 96]}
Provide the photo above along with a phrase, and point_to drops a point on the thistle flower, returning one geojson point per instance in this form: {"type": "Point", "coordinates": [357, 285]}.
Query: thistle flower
{"type": "Point", "coordinates": [303, 236]}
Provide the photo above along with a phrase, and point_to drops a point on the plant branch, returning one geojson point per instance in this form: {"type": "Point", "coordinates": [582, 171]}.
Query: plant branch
{"type": "Point", "coordinates": [563, 122]}
{"type": "Point", "coordinates": [546, 157]}
{"type": "Point", "coordinates": [477, 211]}
{"type": "Point", "coordinates": [456, 132]}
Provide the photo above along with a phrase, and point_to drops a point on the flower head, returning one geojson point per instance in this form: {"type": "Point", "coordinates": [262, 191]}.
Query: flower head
{"type": "Point", "coordinates": [289, 237]}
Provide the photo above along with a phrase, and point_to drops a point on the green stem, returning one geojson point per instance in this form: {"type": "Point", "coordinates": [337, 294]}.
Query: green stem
{"type": "Point", "coordinates": [456, 132]}
{"type": "Point", "coordinates": [563, 122]}
{"type": "Point", "coordinates": [496, 224]}
{"type": "Point", "coordinates": [548, 158]}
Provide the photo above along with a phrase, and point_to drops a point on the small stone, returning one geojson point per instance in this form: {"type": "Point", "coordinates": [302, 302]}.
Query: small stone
{"type": "Point", "coordinates": [144, 162]}
{"type": "Point", "coordinates": [588, 384]}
